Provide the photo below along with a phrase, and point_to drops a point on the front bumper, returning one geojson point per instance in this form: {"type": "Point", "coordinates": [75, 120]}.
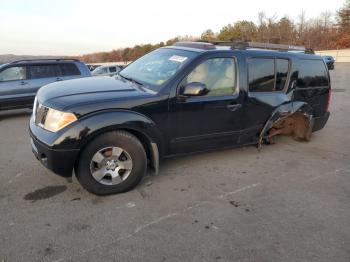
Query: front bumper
{"type": "Point", "coordinates": [320, 122]}
{"type": "Point", "coordinates": [60, 161]}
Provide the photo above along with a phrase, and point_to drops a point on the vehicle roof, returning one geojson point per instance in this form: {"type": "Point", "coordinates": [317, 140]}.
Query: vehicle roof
{"type": "Point", "coordinates": [42, 61]}
{"type": "Point", "coordinates": [249, 52]}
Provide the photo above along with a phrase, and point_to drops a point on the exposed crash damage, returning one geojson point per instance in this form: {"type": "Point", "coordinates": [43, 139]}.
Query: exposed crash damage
{"type": "Point", "coordinates": [292, 119]}
{"type": "Point", "coordinates": [296, 125]}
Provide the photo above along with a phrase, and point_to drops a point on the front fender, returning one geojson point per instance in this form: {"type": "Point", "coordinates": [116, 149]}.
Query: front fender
{"type": "Point", "coordinates": [97, 123]}
{"type": "Point", "coordinates": [282, 111]}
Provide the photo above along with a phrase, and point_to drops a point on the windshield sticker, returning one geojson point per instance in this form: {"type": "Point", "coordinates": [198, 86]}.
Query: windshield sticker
{"type": "Point", "coordinates": [177, 58]}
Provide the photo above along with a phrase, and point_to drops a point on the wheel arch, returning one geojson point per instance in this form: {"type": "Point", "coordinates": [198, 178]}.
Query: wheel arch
{"type": "Point", "coordinates": [283, 110]}
{"type": "Point", "coordinates": [143, 128]}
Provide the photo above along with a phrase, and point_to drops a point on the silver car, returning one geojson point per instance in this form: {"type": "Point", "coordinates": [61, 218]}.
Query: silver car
{"type": "Point", "coordinates": [106, 70]}
{"type": "Point", "coordinates": [20, 80]}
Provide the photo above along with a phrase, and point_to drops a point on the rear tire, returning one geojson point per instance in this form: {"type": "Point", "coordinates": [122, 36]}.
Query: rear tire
{"type": "Point", "coordinates": [114, 162]}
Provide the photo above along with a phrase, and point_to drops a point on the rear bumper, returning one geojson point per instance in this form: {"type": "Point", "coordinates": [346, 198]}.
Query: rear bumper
{"type": "Point", "coordinates": [60, 162]}
{"type": "Point", "coordinates": [330, 65]}
{"type": "Point", "coordinates": [320, 122]}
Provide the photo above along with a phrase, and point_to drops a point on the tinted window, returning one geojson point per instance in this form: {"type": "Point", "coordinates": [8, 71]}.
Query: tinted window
{"type": "Point", "coordinates": [112, 69]}
{"type": "Point", "coordinates": [218, 74]}
{"type": "Point", "coordinates": [312, 73]}
{"type": "Point", "coordinates": [261, 75]}
{"type": "Point", "coordinates": [281, 73]}
{"type": "Point", "coordinates": [44, 71]}
{"type": "Point", "coordinates": [69, 69]}
{"type": "Point", "coordinates": [13, 73]}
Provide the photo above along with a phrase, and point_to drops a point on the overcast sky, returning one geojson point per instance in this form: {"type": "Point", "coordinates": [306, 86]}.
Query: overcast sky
{"type": "Point", "coordinates": [75, 27]}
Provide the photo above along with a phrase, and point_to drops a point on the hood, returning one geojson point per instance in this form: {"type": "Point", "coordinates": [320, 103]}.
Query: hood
{"type": "Point", "coordinates": [84, 86]}
{"type": "Point", "coordinates": [90, 90]}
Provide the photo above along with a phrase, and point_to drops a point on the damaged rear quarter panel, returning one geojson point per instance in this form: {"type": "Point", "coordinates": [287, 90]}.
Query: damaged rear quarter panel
{"type": "Point", "coordinates": [284, 110]}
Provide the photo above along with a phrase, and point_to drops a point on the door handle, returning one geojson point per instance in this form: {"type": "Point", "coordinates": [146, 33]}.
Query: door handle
{"type": "Point", "coordinates": [24, 83]}
{"type": "Point", "coordinates": [234, 107]}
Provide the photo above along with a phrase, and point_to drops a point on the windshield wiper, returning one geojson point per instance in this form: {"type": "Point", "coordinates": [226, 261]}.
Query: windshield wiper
{"type": "Point", "coordinates": [140, 85]}
{"type": "Point", "coordinates": [130, 79]}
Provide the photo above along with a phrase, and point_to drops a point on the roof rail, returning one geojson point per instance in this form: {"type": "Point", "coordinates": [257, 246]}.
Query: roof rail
{"type": "Point", "coordinates": [44, 59]}
{"type": "Point", "coordinates": [258, 45]}
{"type": "Point", "coordinates": [199, 45]}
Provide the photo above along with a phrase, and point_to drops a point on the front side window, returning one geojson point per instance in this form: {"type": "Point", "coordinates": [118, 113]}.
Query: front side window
{"type": "Point", "coordinates": [44, 71]}
{"type": "Point", "coordinates": [13, 73]}
{"type": "Point", "coordinates": [218, 74]}
{"type": "Point", "coordinates": [157, 67]}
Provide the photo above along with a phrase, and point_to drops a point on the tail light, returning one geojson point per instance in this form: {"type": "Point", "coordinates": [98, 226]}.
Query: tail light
{"type": "Point", "coordinates": [329, 98]}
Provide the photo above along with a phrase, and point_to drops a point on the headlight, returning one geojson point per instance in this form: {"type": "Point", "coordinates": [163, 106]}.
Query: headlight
{"type": "Point", "coordinates": [56, 120]}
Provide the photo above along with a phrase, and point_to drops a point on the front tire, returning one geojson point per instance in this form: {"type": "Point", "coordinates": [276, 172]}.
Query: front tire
{"type": "Point", "coordinates": [114, 162]}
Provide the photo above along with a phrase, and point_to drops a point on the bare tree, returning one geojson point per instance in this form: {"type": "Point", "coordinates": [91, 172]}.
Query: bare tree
{"type": "Point", "coordinates": [301, 24]}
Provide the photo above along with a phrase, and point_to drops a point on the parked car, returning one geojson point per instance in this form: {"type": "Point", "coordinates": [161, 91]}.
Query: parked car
{"type": "Point", "coordinates": [175, 100]}
{"type": "Point", "coordinates": [329, 60]}
{"type": "Point", "coordinates": [20, 80]}
{"type": "Point", "coordinates": [106, 70]}
{"type": "Point", "coordinates": [92, 67]}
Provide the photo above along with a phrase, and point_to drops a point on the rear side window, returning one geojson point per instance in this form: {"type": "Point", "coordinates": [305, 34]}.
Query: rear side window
{"type": "Point", "coordinates": [112, 69]}
{"type": "Point", "coordinates": [267, 74]}
{"type": "Point", "coordinates": [69, 69]}
{"type": "Point", "coordinates": [261, 75]}
{"type": "Point", "coordinates": [44, 71]}
{"type": "Point", "coordinates": [13, 73]}
{"type": "Point", "coordinates": [282, 66]}
{"type": "Point", "coordinates": [312, 73]}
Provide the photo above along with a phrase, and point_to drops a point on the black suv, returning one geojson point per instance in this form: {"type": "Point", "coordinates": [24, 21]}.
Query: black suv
{"type": "Point", "coordinates": [20, 80]}
{"type": "Point", "coordinates": [179, 99]}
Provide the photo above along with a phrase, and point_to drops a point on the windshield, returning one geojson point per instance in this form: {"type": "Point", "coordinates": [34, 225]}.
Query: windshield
{"type": "Point", "coordinates": [157, 67]}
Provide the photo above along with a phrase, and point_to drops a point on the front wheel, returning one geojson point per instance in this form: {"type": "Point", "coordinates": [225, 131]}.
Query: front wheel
{"type": "Point", "coordinates": [114, 162]}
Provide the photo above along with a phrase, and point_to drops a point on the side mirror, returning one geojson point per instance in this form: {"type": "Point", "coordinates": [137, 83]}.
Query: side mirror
{"type": "Point", "coordinates": [195, 89]}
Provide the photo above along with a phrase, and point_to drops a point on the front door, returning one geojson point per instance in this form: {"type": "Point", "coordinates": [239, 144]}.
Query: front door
{"type": "Point", "coordinates": [14, 87]}
{"type": "Point", "coordinates": [208, 121]}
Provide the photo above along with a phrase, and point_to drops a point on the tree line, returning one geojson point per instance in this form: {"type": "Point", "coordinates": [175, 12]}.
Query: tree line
{"type": "Point", "coordinates": [327, 31]}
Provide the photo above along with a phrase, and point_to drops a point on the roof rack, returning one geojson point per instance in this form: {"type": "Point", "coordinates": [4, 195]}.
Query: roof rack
{"type": "Point", "coordinates": [245, 45]}
{"type": "Point", "coordinates": [198, 45]}
{"type": "Point", "coordinates": [44, 59]}
{"type": "Point", "coordinates": [258, 45]}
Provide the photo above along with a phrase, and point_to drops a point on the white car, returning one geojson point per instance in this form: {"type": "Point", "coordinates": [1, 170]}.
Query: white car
{"type": "Point", "coordinates": [106, 70]}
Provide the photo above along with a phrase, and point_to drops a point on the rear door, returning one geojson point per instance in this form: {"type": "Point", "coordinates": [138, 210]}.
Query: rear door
{"type": "Point", "coordinates": [42, 74]}
{"type": "Point", "coordinates": [267, 84]}
{"type": "Point", "coordinates": [312, 84]}
{"type": "Point", "coordinates": [69, 71]}
{"type": "Point", "coordinates": [14, 87]}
